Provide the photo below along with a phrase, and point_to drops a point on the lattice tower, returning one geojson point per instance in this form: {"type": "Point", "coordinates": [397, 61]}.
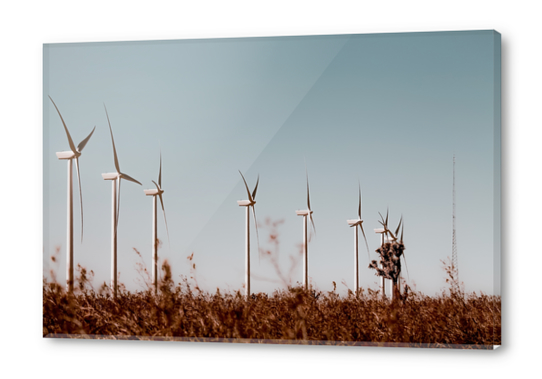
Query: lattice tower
{"type": "Point", "coordinates": [454, 241]}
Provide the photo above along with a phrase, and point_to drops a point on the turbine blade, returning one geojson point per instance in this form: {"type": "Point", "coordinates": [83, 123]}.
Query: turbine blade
{"type": "Point", "coordinates": [161, 202]}
{"type": "Point", "coordinates": [257, 236]}
{"type": "Point", "coordinates": [308, 193]}
{"type": "Point", "coordinates": [392, 235]}
{"type": "Point", "coordinates": [83, 143]}
{"type": "Point", "coordinates": [387, 212]}
{"type": "Point", "coordinates": [160, 172]}
{"type": "Point", "coordinates": [80, 195]}
{"type": "Point", "coordinates": [406, 266]}
{"type": "Point", "coordinates": [246, 186]}
{"type": "Point", "coordinates": [113, 140]}
{"type": "Point", "coordinates": [70, 141]}
{"type": "Point", "coordinates": [399, 226]}
{"type": "Point", "coordinates": [128, 177]}
{"type": "Point", "coordinates": [165, 220]}
{"type": "Point", "coordinates": [359, 208]}
{"type": "Point", "coordinates": [366, 244]}
{"type": "Point", "coordinates": [255, 188]}
{"type": "Point", "coordinates": [404, 256]}
{"type": "Point", "coordinates": [312, 222]}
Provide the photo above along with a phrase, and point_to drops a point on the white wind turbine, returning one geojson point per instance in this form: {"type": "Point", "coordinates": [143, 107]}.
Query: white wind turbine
{"type": "Point", "coordinates": [156, 192]}
{"type": "Point", "coordinates": [393, 238]}
{"type": "Point", "coordinates": [355, 224]}
{"type": "Point", "coordinates": [74, 153]}
{"type": "Point", "coordinates": [389, 237]}
{"type": "Point", "coordinates": [306, 213]}
{"type": "Point", "coordinates": [115, 178]}
{"type": "Point", "coordinates": [249, 204]}
{"type": "Point", "coordinates": [383, 239]}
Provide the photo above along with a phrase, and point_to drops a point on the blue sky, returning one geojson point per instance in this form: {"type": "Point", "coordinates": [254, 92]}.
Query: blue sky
{"type": "Point", "coordinates": [387, 110]}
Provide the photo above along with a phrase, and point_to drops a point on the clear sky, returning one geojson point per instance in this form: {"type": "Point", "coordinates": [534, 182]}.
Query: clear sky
{"type": "Point", "coordinates": [387, 110]}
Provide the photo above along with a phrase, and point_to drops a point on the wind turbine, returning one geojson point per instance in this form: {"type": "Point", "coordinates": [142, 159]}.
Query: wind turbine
{"type": "Point", "coordinates": [74, 153]}
{"type": "Point", "coordinates": [115, 178]}
{"type": "Point", "coordinates": [249, 204]}
{"type": "Point", "coordinates": [156, 192]}
{"type": "Point", "coordinates": [383, 239]}
{"type": "Point", "coordinates": [354, 224]}
{"type": "Point", "coordinates": [391, 237]}
{"type": "Point", "coordinates": [306, 213]}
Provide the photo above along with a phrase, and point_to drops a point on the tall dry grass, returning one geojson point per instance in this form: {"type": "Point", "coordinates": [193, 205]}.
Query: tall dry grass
{"type": "Point", "coordinates": [183, 310]}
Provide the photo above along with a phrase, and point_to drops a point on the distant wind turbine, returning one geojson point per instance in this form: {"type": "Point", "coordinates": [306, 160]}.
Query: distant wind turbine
{"type": "Point", "coordinates": [74, 153]}
{"type": "Point", "coordinates": [249, 204]}
{"type": "Point", "coordinates": [355, 224]}
{"type": "Point", "coordinates": [383, 239]}
{"type": "Point", "coordinates": [115, 178]}
{"type": "Point", "coordinates": [393, 238]}
{"type": "Point", "coordinates": [306, 213]}
{"type": "Point", "coordinates": [156, 192]}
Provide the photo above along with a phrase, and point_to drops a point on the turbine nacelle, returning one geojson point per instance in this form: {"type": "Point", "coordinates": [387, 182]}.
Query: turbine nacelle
{"type": "Point", "coordinates": [117, 175]}
{"type": "Point", "coordinates": [245, 203]}
{"type": "Point", "coordinates": [66, 155]}
{"type": "Point", "coordinates": [390, 237]}
{"type": "Point", "coordinates": [305, 212]}
{"type": "Point", "coordinates": [158, 191]}
{"type": "Point", "coordinates": [384, 233]}
{"type": "Point", "coordinates": [111, 176]}
{"type": "Point", "coordinates": [152, 192]}
{"type": "Point", "coordinates": [354, 222]}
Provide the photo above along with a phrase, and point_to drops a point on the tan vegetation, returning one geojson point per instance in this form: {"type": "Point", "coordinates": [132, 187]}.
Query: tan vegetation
{"type": "Point", "coordinates": [293, 315]}
{"type": "Point", "coordinates": [180, 311]}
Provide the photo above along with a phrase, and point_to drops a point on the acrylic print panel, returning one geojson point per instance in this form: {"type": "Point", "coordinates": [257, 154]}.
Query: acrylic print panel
{"type": "Point", "coordinates": [336, 189]}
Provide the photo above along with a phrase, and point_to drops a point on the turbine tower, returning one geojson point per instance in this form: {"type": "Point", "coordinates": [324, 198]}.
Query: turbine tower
{"type": "Point", "coordinates": [115, 178]}
{"type": "Point", "coordinates": [306, 213]}
{"type": "Point", "coordinates": [354, 224]}
{"type": "Point", "coordinates": [249, 204]}
{"type": "Point", "coordinates": [383, 239]}
{"type": "Point", "coordinates": [454, 242]}
{"type": "Point", "coordinates": [156, 192]}
{"type": "Point", "coordinates": [71, 155]}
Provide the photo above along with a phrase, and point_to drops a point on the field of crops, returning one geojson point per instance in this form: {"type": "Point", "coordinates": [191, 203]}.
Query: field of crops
{"type": "Point", "coordinates": [178, 310]}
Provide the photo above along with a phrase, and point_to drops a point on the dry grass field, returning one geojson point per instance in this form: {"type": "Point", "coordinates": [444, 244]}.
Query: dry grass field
{"type": "Point", "coordinates": [291, 316]}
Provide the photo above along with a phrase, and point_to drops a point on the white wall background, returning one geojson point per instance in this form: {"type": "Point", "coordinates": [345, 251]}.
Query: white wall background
{"type": "Point", "coordinates": [25, 26]}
